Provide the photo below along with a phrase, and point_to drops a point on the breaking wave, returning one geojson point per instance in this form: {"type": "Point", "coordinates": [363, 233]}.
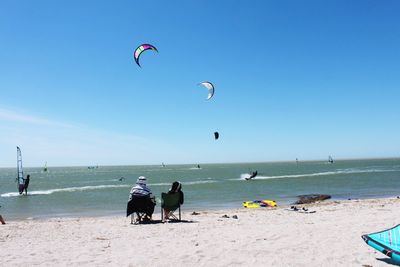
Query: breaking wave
{"type": "Point", "coordinates": [338, 172]}
{"type": "Point", "coordinates": [68, 189]}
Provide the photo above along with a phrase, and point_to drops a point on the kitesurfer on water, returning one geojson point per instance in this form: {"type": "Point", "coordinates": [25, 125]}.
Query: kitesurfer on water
{"type": "Point", "coordinates": [252, 175]}
{"type": "Point", "coordinates": [27, 184]}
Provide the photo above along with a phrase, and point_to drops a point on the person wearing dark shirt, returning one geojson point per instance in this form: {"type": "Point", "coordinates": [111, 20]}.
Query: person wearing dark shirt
{"type": "Point", "coordinates": [27, 184]}
{"type": "Point", "coordinates": [176, 188]}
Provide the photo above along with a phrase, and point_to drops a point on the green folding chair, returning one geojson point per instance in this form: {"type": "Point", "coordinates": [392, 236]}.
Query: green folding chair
{"type": "Point", "coordinates": [170, 203]}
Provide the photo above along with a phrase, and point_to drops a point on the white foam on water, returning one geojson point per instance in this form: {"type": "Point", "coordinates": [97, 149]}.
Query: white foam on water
{"type": "Point", "coordinates": [200, 182]}
{"type": "Point", "coordinates": [160, 184]}
{"type": "Point", "coordinates": [94, 187]}
{"type": "Point", "coordinates": [68, 189]}
{"type": "Point", "coordinates": [208, 181]}
{"type": "Point", "coordinates": [344, 171]}
{"type": "Point", "coordinates": [244, 176]}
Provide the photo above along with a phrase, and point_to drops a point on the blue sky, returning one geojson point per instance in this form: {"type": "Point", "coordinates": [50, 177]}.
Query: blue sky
{"type": "Point", "coordinates": [303, 79]}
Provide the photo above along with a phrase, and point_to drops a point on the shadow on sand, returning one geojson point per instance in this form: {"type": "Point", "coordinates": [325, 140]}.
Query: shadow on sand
{"type": "Point", "coordinates": [161, 222]}
{"type": "Point", "coordinates": [389, 261]}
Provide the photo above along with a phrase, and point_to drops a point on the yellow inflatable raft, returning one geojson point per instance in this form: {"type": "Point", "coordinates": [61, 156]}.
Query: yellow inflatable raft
{"type": "Point", "coordinates": [259, 204]}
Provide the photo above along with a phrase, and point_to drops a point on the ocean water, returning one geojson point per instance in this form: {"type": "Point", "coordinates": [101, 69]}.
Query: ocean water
{"type": "Point", "coordinates": [79, 191]}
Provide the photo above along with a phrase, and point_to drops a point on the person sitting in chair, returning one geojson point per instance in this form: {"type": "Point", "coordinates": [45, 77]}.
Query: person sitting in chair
{"type": "Point", "coordinates": [140, 198]}
{"type": "Point", "coordinates": [176, 188]}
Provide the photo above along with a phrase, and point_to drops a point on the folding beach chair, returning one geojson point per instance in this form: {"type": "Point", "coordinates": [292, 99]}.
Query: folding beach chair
{"type": "Point", "coordinates": [140, 206]}
{"type": "Point", "coordinates": [171, 203]}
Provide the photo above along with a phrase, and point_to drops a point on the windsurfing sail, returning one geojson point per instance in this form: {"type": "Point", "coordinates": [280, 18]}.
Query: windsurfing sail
{"type": "Point", "coordinates": [20, 173]}
{"type": "Point", "coordinates": [387, 242]}
{"type": "Point", "coordinates": [140, 49]}
{"type": "Point", "coordinates": [216, 135]}
{"type": "Point", "coordinates": [210, 88]}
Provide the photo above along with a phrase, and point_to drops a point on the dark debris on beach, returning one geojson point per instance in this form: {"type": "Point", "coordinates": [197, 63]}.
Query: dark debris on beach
{"type": "Point", "coordinates": [307, 199]}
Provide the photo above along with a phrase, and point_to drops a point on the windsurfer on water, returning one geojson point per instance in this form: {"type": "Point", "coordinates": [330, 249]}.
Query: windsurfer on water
{"type": "Point", "coordinates": [27, 184]}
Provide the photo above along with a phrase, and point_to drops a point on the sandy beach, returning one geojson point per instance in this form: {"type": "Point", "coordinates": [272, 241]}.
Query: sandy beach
{"type": "Point", "coordinates": [258, 237]}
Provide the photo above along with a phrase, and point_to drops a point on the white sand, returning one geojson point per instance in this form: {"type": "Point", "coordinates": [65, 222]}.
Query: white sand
{"type": "Point", "coordinates": [259, 237]}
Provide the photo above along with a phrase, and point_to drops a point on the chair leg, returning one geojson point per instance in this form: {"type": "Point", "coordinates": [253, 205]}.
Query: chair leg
{"type": "Point", "coordinates": [138, 219]}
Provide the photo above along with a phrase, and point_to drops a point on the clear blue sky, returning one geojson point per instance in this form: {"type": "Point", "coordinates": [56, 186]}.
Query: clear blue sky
{"type": "Point", "coordinates": [303, 79]}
